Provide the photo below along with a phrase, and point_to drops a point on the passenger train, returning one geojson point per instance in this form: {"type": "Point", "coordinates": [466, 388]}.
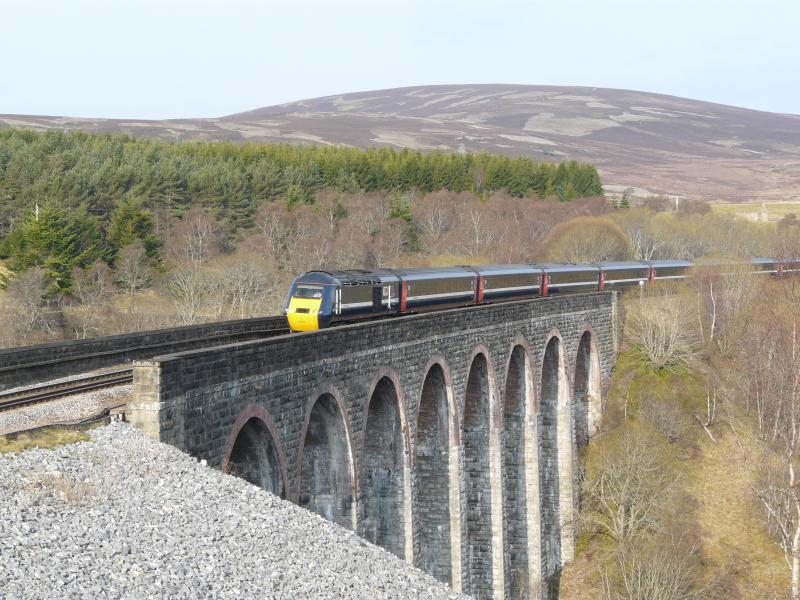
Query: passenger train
{"type": "Point", "coordinates": [319, 299]}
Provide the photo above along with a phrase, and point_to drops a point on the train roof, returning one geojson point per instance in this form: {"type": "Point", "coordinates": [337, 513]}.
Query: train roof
{"type": "Point", "coordinates": [317, 277]}
{"type": "Point", "coordinates": [508, 269]}
{"type": "Point", "coordinates": [566, 267]}
{"type": "Point", "coordinates": [623, 264]}
{"type": "Point", "coordinates": [362, 276]}
{"type": "Point", "coordinates": [656, 264]}
{"type": "Point", "coordinates": [434, 272]}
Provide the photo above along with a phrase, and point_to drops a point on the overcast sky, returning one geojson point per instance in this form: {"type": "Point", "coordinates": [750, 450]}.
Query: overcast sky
{"type": "Point", "coordinates": [206, 58]}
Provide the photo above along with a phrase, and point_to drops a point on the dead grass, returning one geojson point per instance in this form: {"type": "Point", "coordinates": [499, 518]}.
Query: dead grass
{"type": "Point", "coordinates": [67, 488]}
{"type": "Point", "coordinates": [739, 560]}
{"type": "Point", "coordinates": [758, 211]}
{"type": "Point", "coordinates": [46, 438]}
{"type": "Point", "coordinates": [5, 274]}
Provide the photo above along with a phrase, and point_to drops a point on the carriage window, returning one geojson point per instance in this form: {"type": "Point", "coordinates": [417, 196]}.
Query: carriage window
{"type": "Point", "coordinates": [307, 291]}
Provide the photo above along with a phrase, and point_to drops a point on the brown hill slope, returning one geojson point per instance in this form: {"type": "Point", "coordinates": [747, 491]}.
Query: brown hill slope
{"type": "Point", "coordinates": [660, 144]}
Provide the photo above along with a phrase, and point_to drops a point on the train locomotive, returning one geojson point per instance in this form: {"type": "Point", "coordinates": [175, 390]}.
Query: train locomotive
{"type": "Point", "coordinates": [319, 299]}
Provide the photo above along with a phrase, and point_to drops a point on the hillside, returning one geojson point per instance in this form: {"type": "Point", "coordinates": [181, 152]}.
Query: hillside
{"type": "Point", "coordinates": [655, 143]}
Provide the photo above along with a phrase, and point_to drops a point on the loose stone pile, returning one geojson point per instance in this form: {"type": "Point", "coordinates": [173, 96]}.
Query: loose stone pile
{"type": "Point", "coordinates": [125, 517]}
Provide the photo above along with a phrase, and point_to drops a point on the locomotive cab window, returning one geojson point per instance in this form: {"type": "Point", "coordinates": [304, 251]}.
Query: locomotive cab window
{"type": "Point", "coordinates": [308, 291]}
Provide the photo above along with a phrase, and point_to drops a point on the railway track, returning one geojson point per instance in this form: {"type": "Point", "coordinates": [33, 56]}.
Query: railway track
{"type": "Point", "coordinates": [51, 391]}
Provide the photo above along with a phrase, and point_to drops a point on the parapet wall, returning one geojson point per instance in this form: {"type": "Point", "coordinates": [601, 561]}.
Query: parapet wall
{"type": "Point", "coordinates": [28, 364]}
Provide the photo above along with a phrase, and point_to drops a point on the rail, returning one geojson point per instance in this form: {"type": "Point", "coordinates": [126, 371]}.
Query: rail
{"type": "Point", "coordinates": [52, 391]}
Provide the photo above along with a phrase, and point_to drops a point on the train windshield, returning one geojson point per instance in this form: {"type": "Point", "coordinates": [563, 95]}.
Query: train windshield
{"type": "Point", "coordinates": [308, 291]}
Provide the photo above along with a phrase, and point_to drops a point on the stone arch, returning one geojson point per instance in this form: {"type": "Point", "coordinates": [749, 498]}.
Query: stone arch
{"type": "Point", "coordinates": [555, 459]}
{"type": "Point", "coordinates": [254, 451]}
{"type": "Point", "coordinates": [437, 548]}
{"type": "Point", "coordinates": [587, 395]}
{"type": "Point", "coordinates": [483, 478]}
{"type": "Point", "coordinates": [521, 475]}
{"type": "Point", "coordinates": [325, 478]}
{"type": "Point", "coordinates": [385, 485]}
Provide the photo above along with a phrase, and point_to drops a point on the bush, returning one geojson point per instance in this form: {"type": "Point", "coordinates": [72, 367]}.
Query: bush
{"type": "Point", "coordinates": [667, 418]}
{"type": "Point", "coordinates": [653, 570]}
{"type": "Point", "coordinates": [587, 239]}
{"type": "Point", "coordinates": [662, 330]}
{"type": "Point", "coordinates": [628, 485]}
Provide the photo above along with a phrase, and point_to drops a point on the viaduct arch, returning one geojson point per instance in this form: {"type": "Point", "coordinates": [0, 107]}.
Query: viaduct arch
{"type": "Point", "coordinates": [448, 438]}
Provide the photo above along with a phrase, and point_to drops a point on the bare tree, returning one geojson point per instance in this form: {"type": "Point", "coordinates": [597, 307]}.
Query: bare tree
{"type": "Point", "coordinates": [27, 316]}
{"type": "Point", "coordinates": [189, 289]}
{"type": "Point", "coordinates": [722, 295]}
{"type": "Point", "coordinates": [636, 223]}
{"type": "Point", "coordinates": [435, 215]}
{"type": "Point", "coordinates": [711, 389]}
{"type": "Point", "coordinates": [197, 237]}
{"type": "Point", "coordinates": [662, 329]}
{"type": "Point", "coordinates": [773, 358]}
{"type": "Point", "coordinates": [246, 286]}
{"type": "Point", "coordinates": [271, 222]}
{"type": "Point", "coordinates": [653, 570]}
{"type": "Point", "coordinates": [625, 495]}
{"type": "Point", "coordinates": [92, 287]}
{"type": "Point", "coordinates": [588, 239]}
{"type": "Point", "coordinates": [133, 270]}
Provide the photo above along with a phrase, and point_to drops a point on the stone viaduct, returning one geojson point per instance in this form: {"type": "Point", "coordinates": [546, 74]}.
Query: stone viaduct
{"type": "Point", "coordinates": [447, 438]}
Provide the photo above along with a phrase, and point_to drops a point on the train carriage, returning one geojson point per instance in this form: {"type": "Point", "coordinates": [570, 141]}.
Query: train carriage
{"type": "Point", "coordinates": [425, 289]}
{"type": "Point", "coordinates": [764, 266]}
{"type": "Point", "coordinates": [669, 269]}
{"type": "Point", "coordinates": [625, 273]}
{"type": "Point", "coordinates": [508, 282]}
{"type": "Point", "coordinates": [559, 278]}
{"type": "Point", "coordinates": [364, 294]}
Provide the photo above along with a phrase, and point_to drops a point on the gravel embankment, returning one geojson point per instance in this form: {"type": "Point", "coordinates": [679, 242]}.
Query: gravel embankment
{"type": "Point", "coordinates": [125, 517]}
{"type": "Point", "coordinates": [69, 409]}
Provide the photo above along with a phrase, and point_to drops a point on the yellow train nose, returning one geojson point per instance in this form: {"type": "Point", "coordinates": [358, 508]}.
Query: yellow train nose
{"type": "Point", "coordinates": [302, 314]}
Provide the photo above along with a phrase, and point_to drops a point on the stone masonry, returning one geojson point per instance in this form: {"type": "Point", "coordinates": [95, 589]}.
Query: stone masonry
{"type": "Point", "coordinates": [448, 438]}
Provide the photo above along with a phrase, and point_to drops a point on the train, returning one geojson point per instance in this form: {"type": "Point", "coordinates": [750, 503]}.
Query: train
{"type": "Point", "coordinates": [320, 299]}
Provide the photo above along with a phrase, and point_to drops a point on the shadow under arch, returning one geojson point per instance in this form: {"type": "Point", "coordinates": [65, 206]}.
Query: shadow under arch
{"type": "Point", "coordinates": [325, 480]}
{"type": "Point", "coordinates": [555, 464]}
{"type": "Point", "coordinates": [255, 453]}
{"type": "Point", "coordinates": [437, 547]}
{"type": "Point", "coordinates": [385, 485]}
{"type": "Point", "coordinates": [482, 420]}
{"type": "Point", "coordinates": [521, 475]}
{"type": "Point", "coordinates": [587, 395]}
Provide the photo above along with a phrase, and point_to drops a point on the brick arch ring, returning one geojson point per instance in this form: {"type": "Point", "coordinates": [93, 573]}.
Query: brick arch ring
{"type": "Point", "coordinates": [256, 411]}
{"type": "Point", "coordinates": [316, 394]}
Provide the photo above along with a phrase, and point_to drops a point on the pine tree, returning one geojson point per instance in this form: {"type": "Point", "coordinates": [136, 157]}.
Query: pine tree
{"type": "Point", "coordinates": [131, 223]}
{"type": "Point", "coordinates": [57, 241]}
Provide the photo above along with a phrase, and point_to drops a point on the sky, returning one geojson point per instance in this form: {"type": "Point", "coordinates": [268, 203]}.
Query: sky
{"type": "Point", "coordinates": [155, 59]}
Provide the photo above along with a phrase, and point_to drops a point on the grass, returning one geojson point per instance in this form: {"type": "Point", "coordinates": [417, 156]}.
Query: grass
{"type": "Point", "coordinates": [5, 274]}
{"type": "Point", "coordinates": [48, 438]}
{"type": "Point", "coordinates": [739, 560]}
{"type": "Point", "coordinates": [755, 211]}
